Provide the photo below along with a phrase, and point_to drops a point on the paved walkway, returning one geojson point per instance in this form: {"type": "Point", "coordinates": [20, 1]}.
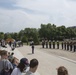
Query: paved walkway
{"type": "Point", "coordinates": [48, 59]}
{"type": "Point", "coordinates": [48, 62]}
{"type": "Point", "coordinates": [59, 52]}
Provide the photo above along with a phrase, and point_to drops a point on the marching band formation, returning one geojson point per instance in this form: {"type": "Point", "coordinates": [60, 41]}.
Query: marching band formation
{"type": "Point", "coordinates": [69, 45]}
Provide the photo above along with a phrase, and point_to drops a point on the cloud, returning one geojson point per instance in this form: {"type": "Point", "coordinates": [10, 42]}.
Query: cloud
{"type": "Point", "coordinates": [18, 14]}
{"type": "Point", "coordinates": [7, 4]}
{"type": "Point", "coordinates": [16, 20]}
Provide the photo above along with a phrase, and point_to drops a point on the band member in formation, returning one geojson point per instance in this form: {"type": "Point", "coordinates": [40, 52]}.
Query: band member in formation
{"type": "Point", "coordinates": [46, 43]}
{"type": "Point", "coordinates": [67, 45]}
{"type": "Point", "coordinates": [57, 44]}
{"type": "Point", "coordinates": [49, 43]}
{"type": "Point", "coordinates": [62, 44]}
{"type": "Point", "coordinates": [74, 47]}
{"type": "Point", "coordinates": [53, 44]}
{"type": "Point", "coordinates": [43, 43]}
{"type": "Point", "coordinates": [70, 46]}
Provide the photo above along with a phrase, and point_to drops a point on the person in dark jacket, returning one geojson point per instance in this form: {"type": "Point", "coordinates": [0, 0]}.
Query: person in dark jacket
{"type": "Point", "coordinates": [32, 47]}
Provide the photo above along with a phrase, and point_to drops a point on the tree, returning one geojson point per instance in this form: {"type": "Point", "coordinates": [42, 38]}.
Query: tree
{"type": "Point", "coordinates": [7, 35]}
{"type": "Point", "coordinates": [15, 36]}
{"type": "Point", "coordinates": [24, 39]}
{"type": "Point", "coordinates": [29, 34]}
{"type": "Point", "coordinates": [47, 31]}
{"type": "Point", "coordinates": [1, 35]}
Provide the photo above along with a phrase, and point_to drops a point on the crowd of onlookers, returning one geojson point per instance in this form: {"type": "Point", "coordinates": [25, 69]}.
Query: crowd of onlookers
{"type": "Point", "coordinates": [10, 65]}
{"type": "Point", "coordinates": [13, 44]}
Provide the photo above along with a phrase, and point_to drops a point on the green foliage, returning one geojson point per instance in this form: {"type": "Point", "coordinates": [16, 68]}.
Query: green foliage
{"type": "Point", "coordinates": [7, 35]}
{"type": "Point", "coordinates": [1, 35]}
{"type": "Point", "coordinates": [35, 39]}
{"type": "Point", "coordinates": [47, 31]}
{"type": "Point", "coordinates": [24, 39]}
{"type": "Point", "coordinates": [29, 34]}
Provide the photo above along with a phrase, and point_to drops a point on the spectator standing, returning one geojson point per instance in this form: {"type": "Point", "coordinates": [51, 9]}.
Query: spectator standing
{"type": "Point", "coordinates": [0, 44]}
{"type": "Point", "coordinates": [5, 64]}
{"type": "Point", "coordinates": [33, 67]}
{"type": "Point", "coordinates": [21, 67]}
{"type": "Point", "coordinates": [15, 62]}
{"type": "Point", "coordinates": [10, 43]}
{"type": "Point", "coordinates": [62, 71]}
{"type": "Point", "coordinates": [10, 57]}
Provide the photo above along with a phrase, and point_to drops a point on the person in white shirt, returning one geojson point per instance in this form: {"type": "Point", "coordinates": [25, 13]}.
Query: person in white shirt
{"type": "Point", "coordinates": [33, 67]}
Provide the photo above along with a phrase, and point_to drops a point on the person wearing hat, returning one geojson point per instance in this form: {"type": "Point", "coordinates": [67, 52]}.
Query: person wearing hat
{"type": "Point", "coordinates": [25, 60]}
{"type": "Point", "coordinates": [22, 66]}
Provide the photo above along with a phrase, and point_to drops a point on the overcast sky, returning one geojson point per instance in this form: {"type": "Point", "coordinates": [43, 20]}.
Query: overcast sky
{"type": "Point", "coordinates": [19, 14]}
